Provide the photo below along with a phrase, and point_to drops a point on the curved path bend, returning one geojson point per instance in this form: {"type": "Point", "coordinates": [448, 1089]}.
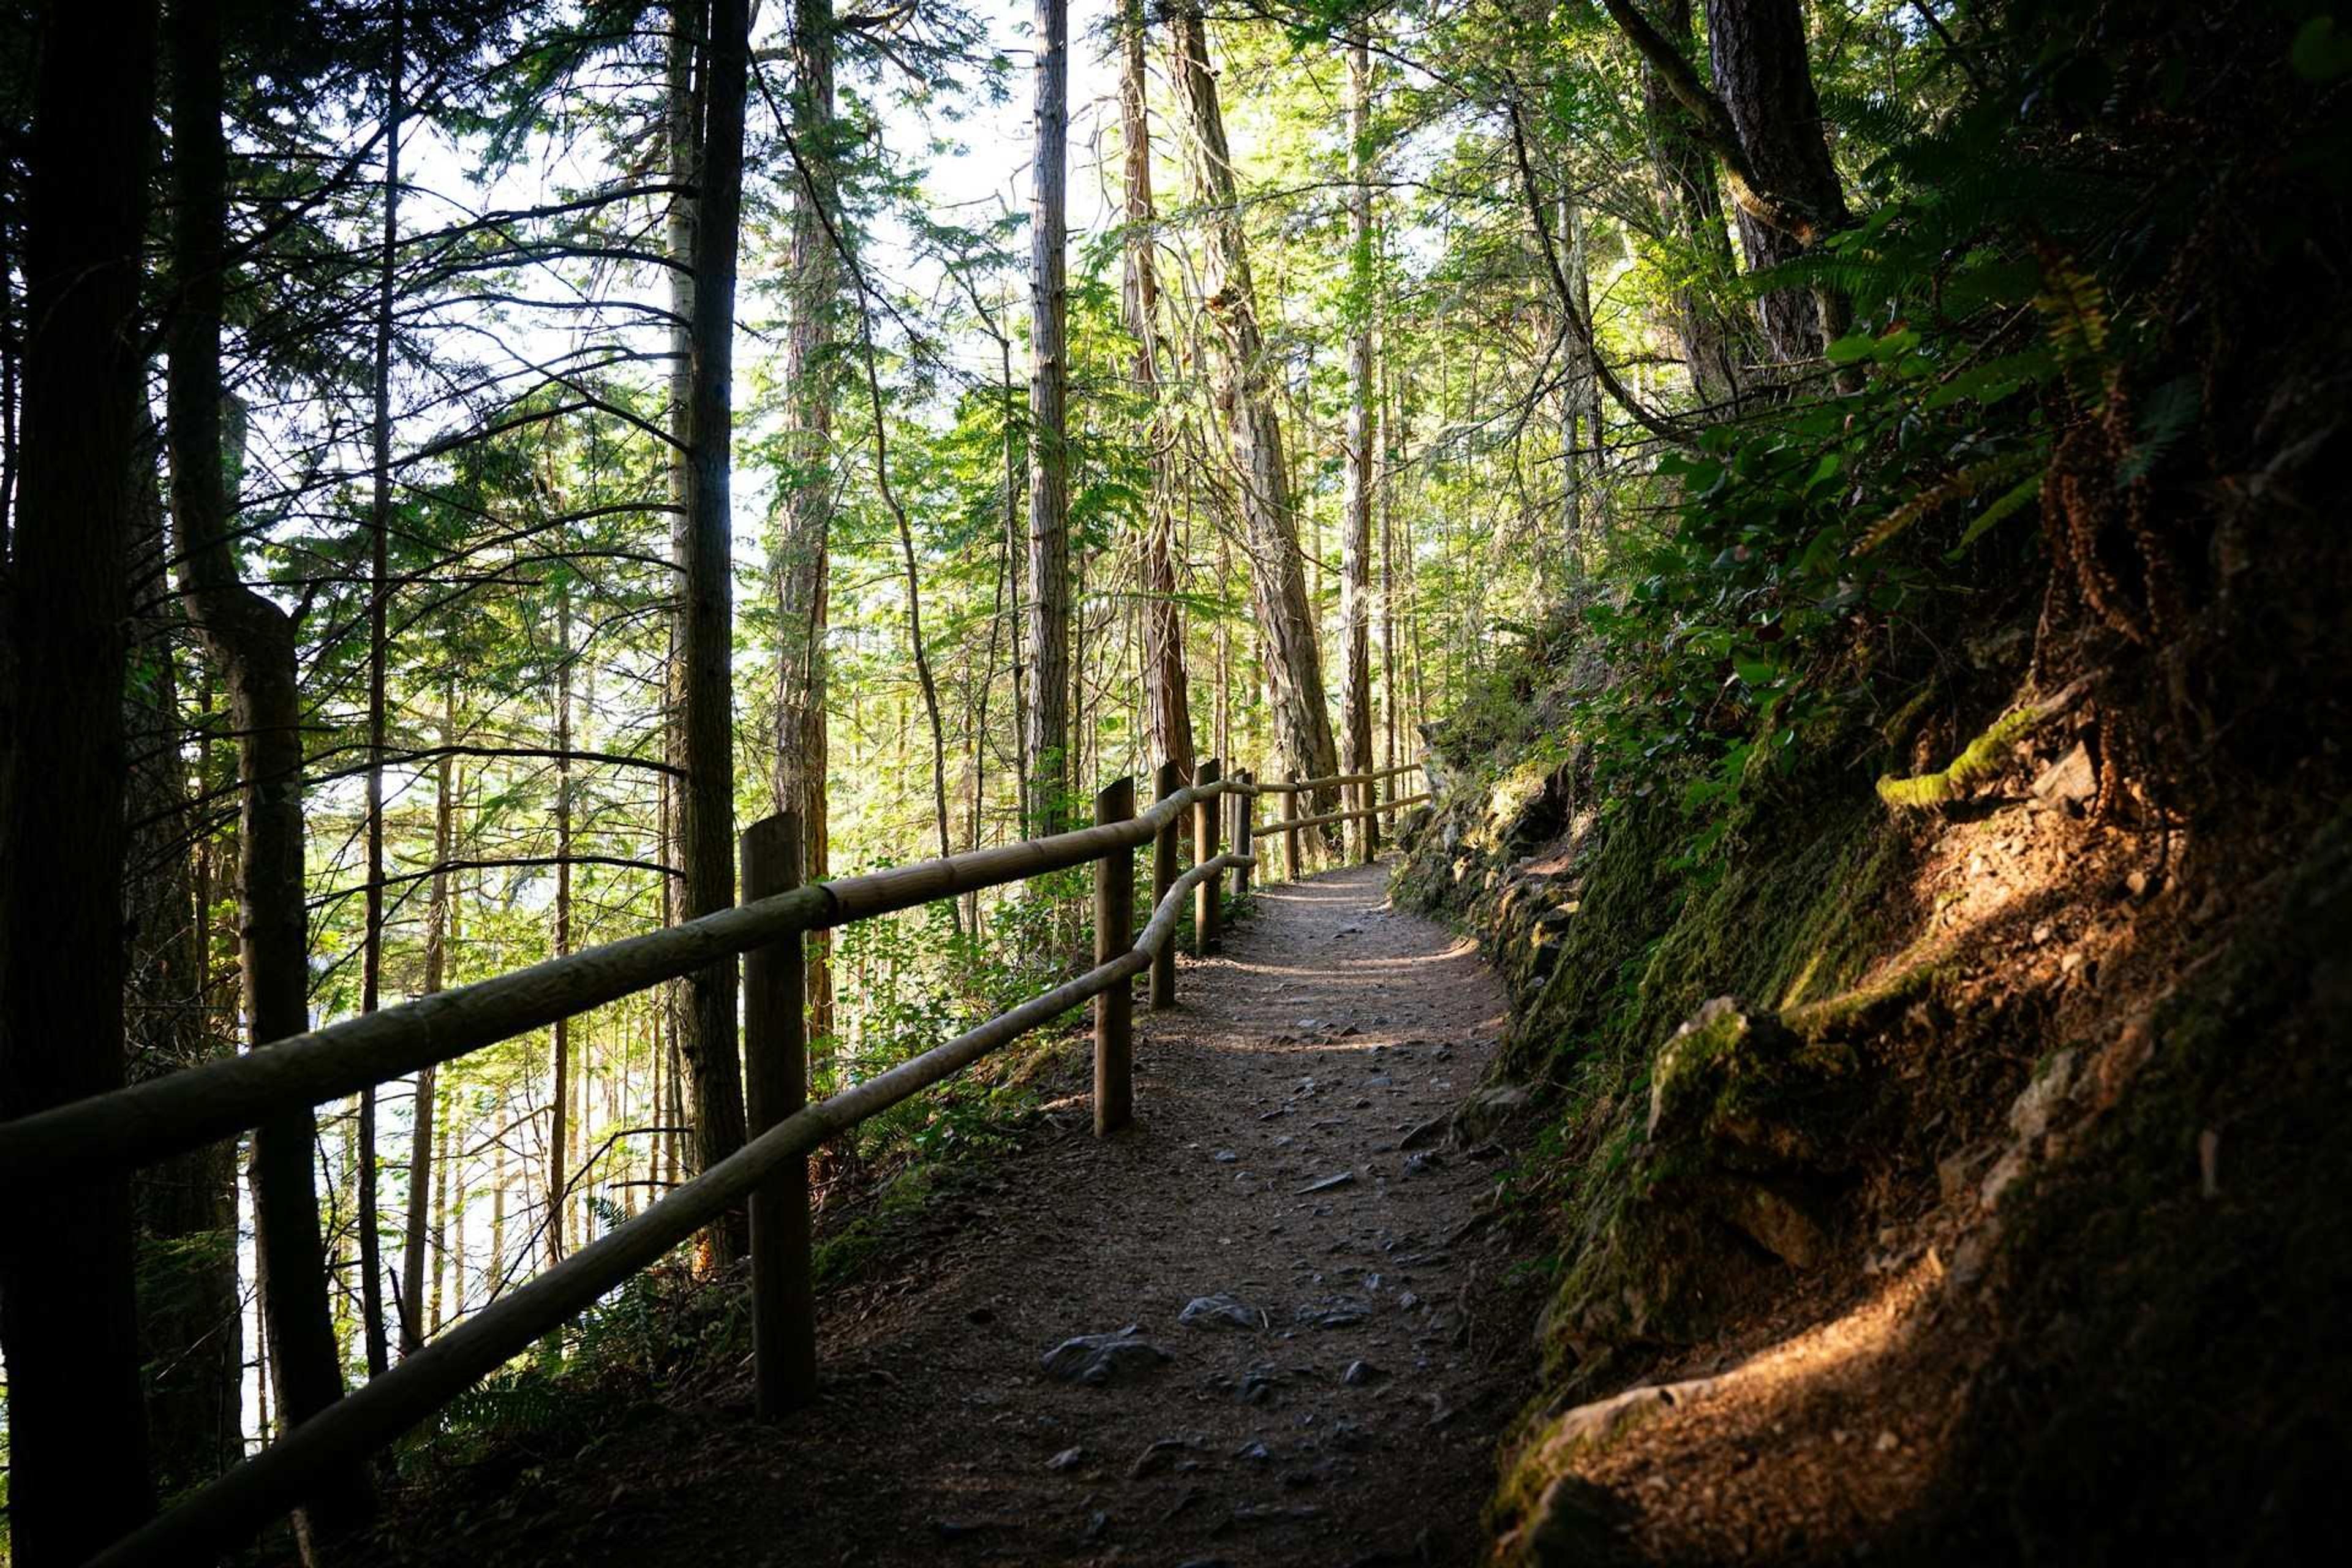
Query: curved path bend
{"type": "Point", "coordinates": [1340, 1407]}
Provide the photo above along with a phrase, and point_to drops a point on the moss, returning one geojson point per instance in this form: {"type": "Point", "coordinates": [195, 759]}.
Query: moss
{"type": "Point", "coordinates": [1979, 761]}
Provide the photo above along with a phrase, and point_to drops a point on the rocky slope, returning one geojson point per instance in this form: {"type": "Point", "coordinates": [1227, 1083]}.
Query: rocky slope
{"type": "Point", "coordinates": [1943, 1180]}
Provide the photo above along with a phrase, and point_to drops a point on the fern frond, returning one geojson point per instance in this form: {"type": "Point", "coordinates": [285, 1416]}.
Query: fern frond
{"type": "Point", "coordinates": [1971, 481]}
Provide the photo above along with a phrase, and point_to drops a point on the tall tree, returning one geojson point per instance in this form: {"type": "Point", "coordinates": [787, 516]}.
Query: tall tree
{"type": "Point", "coordinates": [77, 1433]}
{"type": "Point", "coordinates": [811, 347]}
{"type": "Point", "coordinates": [188, 1307]}
{"type": "Point", "coordinates": [1715, 342]}
{"type": "Point", "coordinates": [253, 641]}
{"type": "Point", "coordinates": [1048, 718]}
{"type": "Point", "coordinates": [1247, 391]}
{"type": "Point", "coordinates": [707, 644]}
{"type": "Point", "coordinates": [1763, 121]}
{"type": "Point", "coordinates": [424, 1170]}
{"type": "Point", "coordinates": [1356, 522]}
{"type": "Point", "coordinates": [379, 663]}
{"type": "Point", "coordinates": [1166, 693]}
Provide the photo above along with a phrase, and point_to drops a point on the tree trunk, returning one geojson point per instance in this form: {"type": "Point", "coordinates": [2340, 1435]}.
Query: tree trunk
{"type": "Point", "coordinates": [253, 641]}
{"type": "Point", "coordinates": [683, 103]}
{"type": "Point", "coordinates": [811, 379]}
{"type": "Point", "coordinates": [1302, 722]}
{"type": "Point", "coordinates": [1356, 524]}
{"type": "Point", "coordinates": [1166, 693]}
{"type": "Point", "coordinates": [1048, 716]}
{"type": "Point", "coordinates": [77, 1432]}
{"type": "Point", "coordinates": [189, 1319]}
{"type": "Point", "coordinates": [379, 594]}
{"type": "Point", "coordinates": [708, 802]}
{"type": "Point", "coordinates": [559, 1134]}
{"type": "Point", "coordinates": [424, 1170]}
{"type": "Point", "coordinates": [1714, 337]}
{"type": "Point", "coordinates": [1765, 76]}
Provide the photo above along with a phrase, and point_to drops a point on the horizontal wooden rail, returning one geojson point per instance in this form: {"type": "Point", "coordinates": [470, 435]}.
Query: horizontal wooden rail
{"type": "Point", "coordinates": [233, 1508]}
{"type": "Point", "coordinates": [1292, 824]}
{"type": "Point", "coordinates": [1307, 787]}
{"type": "Point", "coordinates": [199, 1105]}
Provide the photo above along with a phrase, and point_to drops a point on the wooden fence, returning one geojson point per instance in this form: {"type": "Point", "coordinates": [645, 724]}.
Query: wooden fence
{"type": "Point", "coordinates": [152, 1121]}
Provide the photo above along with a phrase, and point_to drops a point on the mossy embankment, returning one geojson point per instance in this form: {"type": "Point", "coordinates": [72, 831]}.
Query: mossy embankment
{"type": "Point", "coordinates": [1962, 1072]}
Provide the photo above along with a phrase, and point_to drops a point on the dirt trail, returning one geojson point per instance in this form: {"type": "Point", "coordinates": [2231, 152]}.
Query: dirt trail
{"type": "Point", "coordinates": [1328, 1029]}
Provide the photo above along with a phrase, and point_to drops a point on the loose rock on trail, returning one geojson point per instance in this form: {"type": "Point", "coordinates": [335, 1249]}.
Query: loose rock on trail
{"type": "Point", "coordinates": [1355, 1345]}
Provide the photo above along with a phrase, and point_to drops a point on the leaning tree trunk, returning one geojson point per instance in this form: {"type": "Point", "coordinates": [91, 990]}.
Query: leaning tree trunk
{"type": "Point", "coordinates": [1766, 78]}
{"type": "Point", "coordinates": [1047, 720]}
{"type": "Point", "coordinates": [77, 1432]}
{"type": "Point", "coordinates": [253, 641]}
{"type": "Point", "coordinates": [1166, 694]}
{"type": "Point", "coordinates": [1355, 514]}
{"type": "Point", "coordinates": [707, 644]}
{"type": "Point", "coordinates": [810, 381]}
{"type": "Point", "coordinates": [1714, 337]}
{"type": "Point", "coordinates": [1302, 720]}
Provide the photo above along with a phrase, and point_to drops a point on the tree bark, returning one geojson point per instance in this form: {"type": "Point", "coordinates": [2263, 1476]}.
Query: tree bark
{"type": "Point", "coordinates": [379, 657]}
{"type": "Point", "coordinates": [1763, 119]}
{"type": "Point", "coordinates": [189, 1316]}
{"type": "Point", "coordinates": [77, 1432]}
{"type": "Point", "coordinates": [708, 803]}
{"type": "Point", "coordinates": [683, 128]}
{"type": "Point", "coordinates": [253, 641]}
{"type": "Point", "coordinates": [1714, 336]}
{"type": "Point", "coordinates": [1356, 525]}
{"type": "Point", "coordinates": [558, 1132]}
{"type": "Point", "coordinates": [1765, 74]}
{"type": "Point", "coordinates": [1301, 715]}
{"type": "Point", "coordinates": [1168, 694]}
{"type": "Point", "coordinates": [811, 379]}
{"type": "Point", "coordinates": [1048, 716]}
{"type": "Point", "coordinates": [424, 1170]}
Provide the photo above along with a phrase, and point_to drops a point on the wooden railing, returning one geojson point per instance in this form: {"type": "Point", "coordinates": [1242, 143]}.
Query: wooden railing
{"type": "Point", "coordinates": [152, 1121]}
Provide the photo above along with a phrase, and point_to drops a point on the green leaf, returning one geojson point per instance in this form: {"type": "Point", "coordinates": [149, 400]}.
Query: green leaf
{"type": "Point", "coordinates": [1851, 349]}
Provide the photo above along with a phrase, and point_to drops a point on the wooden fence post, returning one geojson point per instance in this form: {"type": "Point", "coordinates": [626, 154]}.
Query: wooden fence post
{"type": "Point", "coordinates": [1373, 790]}
{"type": "Point", "coordinates": [1163, 876]}
{"type": "Point", "coordinates": [1114, 934]}
{"type": "Point", "coordinates": [1244, 807]}
{"type": "Point", "coordinates": [1205, 892]}
{"type": "Point", "coordinates": [775, 1057]}
{"type": "Point", "coordinates": [1290, 813]}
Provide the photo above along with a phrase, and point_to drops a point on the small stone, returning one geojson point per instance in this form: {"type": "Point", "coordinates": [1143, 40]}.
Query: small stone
{"type": "Point", "coordinates": [1417, 1164]}
{"type": "Point", "coordinates": [1328, 1183]}
{"type": "Point", "coordinates": [1255, 1452]}
{"type": "Point", "coordinates": [1226, 1156]}
{"type": "Point", "coordinates": [1358, 1373]}
{"type": "Point", "coordinates": [2069, 780]}
{"type": "Point", "coordinates": [2137, 884]}
{"type": "Point", "coordinates": [1068, 1459]}
{"type": "Point", "coordinates": [2041, 933]}
{"type": "Point", "coordinates": [1407, 1300]}
{"type": "Point", "coordinates": [1888, 1442]}
{"type": "Point", "coordinates": [1098, 1359]}
{"type": "Point", "coordinates": [1097, 1526]}
{"type": "Point", "coordinates": [1220, 1311]}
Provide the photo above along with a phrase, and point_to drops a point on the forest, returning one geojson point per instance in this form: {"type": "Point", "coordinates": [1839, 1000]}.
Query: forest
{"type": "Point", "coordinates": [1734, 598]}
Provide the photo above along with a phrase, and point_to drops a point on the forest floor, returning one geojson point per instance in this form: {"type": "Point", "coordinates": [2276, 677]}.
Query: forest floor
{"type": "Point", "coordinates": [1340, 1402]}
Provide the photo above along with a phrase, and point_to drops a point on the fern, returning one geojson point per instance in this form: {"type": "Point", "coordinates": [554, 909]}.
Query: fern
{"type": "Point", "coordinates": [1971, 481]}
